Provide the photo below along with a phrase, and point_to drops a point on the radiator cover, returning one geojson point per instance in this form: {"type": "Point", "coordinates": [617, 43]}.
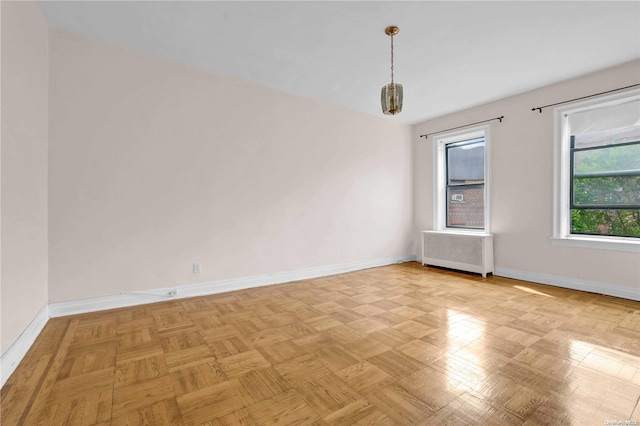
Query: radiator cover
{"type": "Point", "coordinates": [462, 251]}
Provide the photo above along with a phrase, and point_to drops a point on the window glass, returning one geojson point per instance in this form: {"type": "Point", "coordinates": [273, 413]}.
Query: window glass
{"type": "Point", "coordinates": [465, 162]}
{"type": "Point", "coordinates": [605, 170]}
{"type": "Point", "coordinates": [465, 184]}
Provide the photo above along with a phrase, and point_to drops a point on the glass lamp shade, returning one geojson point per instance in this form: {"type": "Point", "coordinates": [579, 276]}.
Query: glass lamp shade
{"type": "Point", "coordinates": [391, 97]}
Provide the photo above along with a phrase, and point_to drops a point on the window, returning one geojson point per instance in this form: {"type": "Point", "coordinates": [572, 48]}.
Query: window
{"type": "Point", "coordinates": [461, 180]}
{"type": "Point", "coordinates": [598, 172]}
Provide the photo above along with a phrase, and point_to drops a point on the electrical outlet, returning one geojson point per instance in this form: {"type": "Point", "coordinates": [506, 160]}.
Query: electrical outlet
{"type": "Point", "coordinates": [196, 268]}
{"type": "Point", "coordinates": [173, 293]}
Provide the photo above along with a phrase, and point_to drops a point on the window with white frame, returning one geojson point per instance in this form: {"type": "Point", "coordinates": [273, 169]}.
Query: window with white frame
{"type": "Point", "coordinates": [461, 180]}
{"type": "Point", "coordinates": [598, 171]}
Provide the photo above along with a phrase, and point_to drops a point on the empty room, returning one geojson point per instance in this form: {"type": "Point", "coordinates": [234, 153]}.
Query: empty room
{"type": "Point", "coordinates": [320, 212]}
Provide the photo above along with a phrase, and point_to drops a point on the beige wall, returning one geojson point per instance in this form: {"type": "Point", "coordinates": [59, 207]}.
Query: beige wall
{"type": "Point", "coordinates": [24, 75]}
{"type": "Point", "coordinates": [155, 165]}
{"type": "Point", "coordinates": [522, 183]}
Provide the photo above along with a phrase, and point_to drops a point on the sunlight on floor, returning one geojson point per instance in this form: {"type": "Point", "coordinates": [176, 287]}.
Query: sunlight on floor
{"type": "Point", "coordinates": [532, 291]}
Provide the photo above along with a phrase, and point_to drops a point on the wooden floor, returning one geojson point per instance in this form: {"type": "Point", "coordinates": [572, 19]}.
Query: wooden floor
{"type": "Point", "coordinates": [399, 344]}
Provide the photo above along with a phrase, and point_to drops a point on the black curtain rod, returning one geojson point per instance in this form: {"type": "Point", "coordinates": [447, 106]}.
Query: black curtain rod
{"type": "Point", "coordinates": [584, 97]}
{"type": "Point", "coordinates": [466, 125]}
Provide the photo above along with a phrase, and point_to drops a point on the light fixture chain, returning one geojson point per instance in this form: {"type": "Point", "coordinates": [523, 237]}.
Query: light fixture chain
{"type": "Point", "coordinates": [391, 58]}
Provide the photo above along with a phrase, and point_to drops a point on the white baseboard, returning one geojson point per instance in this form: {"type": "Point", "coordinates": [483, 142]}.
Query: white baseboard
{"type": "Point", "coordinates": [94, 304]}
{"type": "Point", "coordinates": [16, 352]}
{"type": "Point", "coordinates": [572, 283]}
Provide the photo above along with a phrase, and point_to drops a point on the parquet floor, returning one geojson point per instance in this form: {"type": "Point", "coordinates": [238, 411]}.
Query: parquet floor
{"type": "Point", "coordinates": [400, 344]}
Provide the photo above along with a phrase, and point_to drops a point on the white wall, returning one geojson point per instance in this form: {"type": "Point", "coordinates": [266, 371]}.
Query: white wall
{"type": "Point", "coordinates": [522, 185]}
{"type": "Point", "coordinates": [24, 75]}
{"type": "Point", "coordinates": [155, 165]}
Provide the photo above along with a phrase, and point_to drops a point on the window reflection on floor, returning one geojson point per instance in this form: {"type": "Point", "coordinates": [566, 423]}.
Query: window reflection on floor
{"type": "Point", "coordinates": [464, 361]}
{"type": "Point", "coordinates": [605, 381]}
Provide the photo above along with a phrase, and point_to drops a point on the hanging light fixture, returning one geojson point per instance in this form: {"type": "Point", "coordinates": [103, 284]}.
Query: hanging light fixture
{"type": "Point", "coordinates": [391, 95]}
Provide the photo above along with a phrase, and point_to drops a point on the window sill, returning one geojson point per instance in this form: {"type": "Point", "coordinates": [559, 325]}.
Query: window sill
{"type": "Point", "coordinates": [601, 243]}
{"type": "Point", "coordinates": [478, 232]}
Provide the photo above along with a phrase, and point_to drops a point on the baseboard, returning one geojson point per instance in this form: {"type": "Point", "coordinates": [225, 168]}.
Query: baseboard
{"type": "Point", "coordinates": [94, 304]}
{"type": "Point", "coordinates": [16, 352]}
{"type": "Point", "coordinates": [572, 283]}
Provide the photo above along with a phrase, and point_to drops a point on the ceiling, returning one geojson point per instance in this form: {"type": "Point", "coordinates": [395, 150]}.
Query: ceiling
{"type": "Point", "coordinates": [448, 55]}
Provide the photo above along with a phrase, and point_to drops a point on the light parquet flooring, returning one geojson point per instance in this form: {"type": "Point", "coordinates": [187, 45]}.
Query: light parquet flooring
{"type": "Point", "coordinates": [400, 344]}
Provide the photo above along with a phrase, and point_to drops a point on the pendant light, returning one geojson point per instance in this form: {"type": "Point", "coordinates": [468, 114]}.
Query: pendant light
{"type": "Point", "coordinates": [391, 95]}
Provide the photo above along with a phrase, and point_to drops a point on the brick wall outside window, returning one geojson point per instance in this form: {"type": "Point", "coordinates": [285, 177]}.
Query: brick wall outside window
{"type": "Point", "coordinates": [470, 211]}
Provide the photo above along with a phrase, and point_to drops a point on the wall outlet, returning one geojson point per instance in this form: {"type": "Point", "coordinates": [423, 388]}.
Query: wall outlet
{"type": "Point", "coordinates": [196, 268]}
{"type": "Point", "coordinates": [173, 293]}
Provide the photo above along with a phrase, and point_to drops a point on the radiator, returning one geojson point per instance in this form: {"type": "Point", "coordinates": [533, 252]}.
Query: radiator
{"type": "Point", "coordinates": [465, 252]}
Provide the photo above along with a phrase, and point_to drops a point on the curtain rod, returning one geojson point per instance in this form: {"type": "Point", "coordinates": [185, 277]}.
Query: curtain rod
{"type": "Point", "coordinates": [466, 125]}
{"type": "Point", "coordinates": [583, 97]}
